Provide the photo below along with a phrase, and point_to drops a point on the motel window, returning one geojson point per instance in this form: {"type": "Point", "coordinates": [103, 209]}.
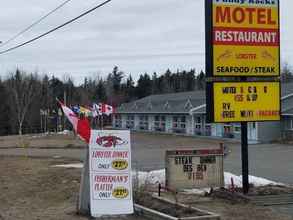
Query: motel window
{"type": "Point", "coordinates": [130, 122]}
{"type": "Point", "coordinates": [208, 129]}
{"type": "Point", "coordinates": [288, 124]}
{"type": "Point", "coordinates": [179, 123]}
{"type": "Point", "coordinates": [291, 124]}
{"type": "Point", "coordinates": [198, 120]}
{"type": "Point", "coordinates": [228, 131]}
{"type": "Point", "coordinates": [237, 129]}
{"type": "Point", "coordinates": [198, 125]}
{"type": "Point", "coordinates": [118, 121]}
{"type": "Point", "coordinates": [160, 123]}
{"type": "Point", "coordinates": [143, 122]}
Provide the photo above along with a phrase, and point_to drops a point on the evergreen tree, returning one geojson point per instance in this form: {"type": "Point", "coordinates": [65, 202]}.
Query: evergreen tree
{"type": "Point", "coordinates": [144, 85]}
{"type": "Point", "coordinates": [117, 77]}
{"type": "Point", "coordinates": [100, 92]}
{"type": "Point", "coordinates": [201, 81]}
{"type": "Point", "coordinates": [5, 127]}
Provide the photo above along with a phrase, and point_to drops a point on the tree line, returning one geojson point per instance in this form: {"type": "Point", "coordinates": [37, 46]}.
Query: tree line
{"type": "Point", "coordinates": [25, 95]}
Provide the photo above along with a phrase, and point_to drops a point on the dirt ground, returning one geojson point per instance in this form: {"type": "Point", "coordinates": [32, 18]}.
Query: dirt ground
{"type": "Point", "coordinates": [228, 210]}
{"type": "Point", "coordinates": [31, 189]}
{"type": "Point", "coordinates": [41, 141]}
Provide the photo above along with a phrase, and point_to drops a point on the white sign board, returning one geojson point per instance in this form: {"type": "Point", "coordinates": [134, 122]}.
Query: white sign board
{"type": "Point", "coordinates": [198, 168]}
{"type": "Point", "coordinates": [110, 173]}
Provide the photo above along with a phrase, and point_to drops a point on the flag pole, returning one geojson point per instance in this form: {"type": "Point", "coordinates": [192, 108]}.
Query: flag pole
{"type": "Point", "coordinates": [102, 123]}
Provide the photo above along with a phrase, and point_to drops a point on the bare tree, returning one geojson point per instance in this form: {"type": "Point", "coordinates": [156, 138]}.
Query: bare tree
{"type": "Point", "coordinates": [22, 90]}
{"type": "Point", "coordinates": [286, 73]}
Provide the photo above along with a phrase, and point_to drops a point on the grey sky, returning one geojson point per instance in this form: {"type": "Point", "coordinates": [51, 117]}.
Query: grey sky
{"type": "Point", "coordinates": [136, 35]}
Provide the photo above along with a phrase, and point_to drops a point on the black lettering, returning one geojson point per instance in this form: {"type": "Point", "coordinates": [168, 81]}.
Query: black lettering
{"type": "Point", "coordinates": [226, 106]}
{"type": "Point", "coordinates": [229, 90]}
{"type": "Point", "coordinates": [228, 114]}
{"type": "Point", "coordinates": [246, 114]}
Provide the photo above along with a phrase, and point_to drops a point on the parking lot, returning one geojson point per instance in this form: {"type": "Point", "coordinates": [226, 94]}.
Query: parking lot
{"type": "Point", "coordinates": [272, 161]}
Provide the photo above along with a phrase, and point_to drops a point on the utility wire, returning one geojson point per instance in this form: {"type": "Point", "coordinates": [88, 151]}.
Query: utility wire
{"type": "Point", "coordinates": [35, 23]}
{"type": "Point", "coordinates": [56, 28]}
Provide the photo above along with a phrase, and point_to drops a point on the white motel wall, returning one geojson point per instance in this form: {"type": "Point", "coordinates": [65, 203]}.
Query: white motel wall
{"type": "Point", "coordinates": [191, 127]}
{"type": "Point", "coordinates": [184, 114]}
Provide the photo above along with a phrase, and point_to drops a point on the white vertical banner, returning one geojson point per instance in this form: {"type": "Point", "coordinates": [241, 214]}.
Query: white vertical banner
{"type": "Point", "coordinates": [110, 173]}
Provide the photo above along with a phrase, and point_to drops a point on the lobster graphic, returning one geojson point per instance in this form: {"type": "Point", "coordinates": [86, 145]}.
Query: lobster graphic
{"type": "Point", "coordinates": [266, 55]}
{"type": "Point", "coordinates": [109, 141]}
{"type": "Point", "coordinates": [227, 54]}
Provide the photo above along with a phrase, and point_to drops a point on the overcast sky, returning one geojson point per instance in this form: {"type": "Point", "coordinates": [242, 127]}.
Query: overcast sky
{"type": "Point", "coordinates": [136, 35]}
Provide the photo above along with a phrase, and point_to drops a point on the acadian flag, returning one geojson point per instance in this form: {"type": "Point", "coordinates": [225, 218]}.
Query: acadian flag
{"type": "Point", "coordinates": [85, 111]}
{"type": "Point", "coordinates": [80, 125]}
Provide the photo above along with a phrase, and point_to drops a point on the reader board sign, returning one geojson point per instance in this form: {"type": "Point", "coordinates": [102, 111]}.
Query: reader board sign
{"type": "Point", "coordinates": [242, 38]}
{"type": "Point", "coordinates": [110, 173]}
{"type": "Point", "coordinates": [194, 168]}
{"type": "Point", "coordinates": [244, 101]}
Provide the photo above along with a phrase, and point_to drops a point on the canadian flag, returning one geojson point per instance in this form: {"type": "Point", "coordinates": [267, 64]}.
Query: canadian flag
{"type": "Point", "coordinates": [107, 109]}
{"type": "Point", "coordinates": [101, 108]}
{"type": "Point", "coordinates": [80, 125]}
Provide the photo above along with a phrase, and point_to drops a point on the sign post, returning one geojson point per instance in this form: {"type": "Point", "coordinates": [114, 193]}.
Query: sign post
{"type": "Point", "coordinates": [244, 158]}
{"type": "Point", "coordinates": [242, 65]}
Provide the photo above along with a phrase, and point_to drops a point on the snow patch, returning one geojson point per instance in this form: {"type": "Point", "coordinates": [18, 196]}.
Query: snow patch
{"type": "Point", "coordinates": [256, 181]}
{"type": "Point", "coordinates": [64, 132]}
{"type": "Point", "coordinates": [73, 165]}
{"type": "Point", "coordinates": [158, 176]}
{"type": "Point", "coordinates": [40, 135]}
{"type": "Point", "coordinates": [152, 177]}
{"type": "Point", "coordinates": [201, 192]}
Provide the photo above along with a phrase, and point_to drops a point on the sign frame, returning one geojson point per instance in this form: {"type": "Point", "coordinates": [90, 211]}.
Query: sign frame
{"type": "Point", "coordinates": [111, 190]}
{"type": "Point", "coordinates": [210, 108]}
{"type": "Point", "coordinates": [209, 45]}
{"type": "Point", "coordinates": [183, 172]}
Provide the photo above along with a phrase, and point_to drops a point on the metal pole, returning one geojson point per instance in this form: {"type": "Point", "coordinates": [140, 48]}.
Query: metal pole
{"type": "Point", "coordinates": [41, 122]}
{"type": "Point", "coordinates": [64, 100]}
{"type": "Point", "coordinates": [45, 122]}
{"type": "Point", "coordinates": [244, 156]}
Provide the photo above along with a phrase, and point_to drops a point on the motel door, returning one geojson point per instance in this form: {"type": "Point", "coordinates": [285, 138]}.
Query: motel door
{"type": "Point", "coordinates": [251, 131]}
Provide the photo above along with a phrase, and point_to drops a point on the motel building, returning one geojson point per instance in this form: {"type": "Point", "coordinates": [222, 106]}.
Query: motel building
{"type": "Point", "coordinates": [185, 114]}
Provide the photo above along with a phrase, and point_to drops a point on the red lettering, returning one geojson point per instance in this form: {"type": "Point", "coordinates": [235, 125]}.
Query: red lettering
{"type": "Point", "coordinates": [250, 11]}
{"type": "Point", "coordinates": [238, 15]}
{"type": "Point", "coordinates": [270, 21]}
{"type": "Point", "coordinates": [261, 16]}
{"type": "Point", "coordinates": [223, 14]}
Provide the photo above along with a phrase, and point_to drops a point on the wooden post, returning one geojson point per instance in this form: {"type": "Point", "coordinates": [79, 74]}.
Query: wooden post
{"type": "Point", "coordinates": [84, 193]}
{"type": "Point", "coordinates": [159, 189]}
